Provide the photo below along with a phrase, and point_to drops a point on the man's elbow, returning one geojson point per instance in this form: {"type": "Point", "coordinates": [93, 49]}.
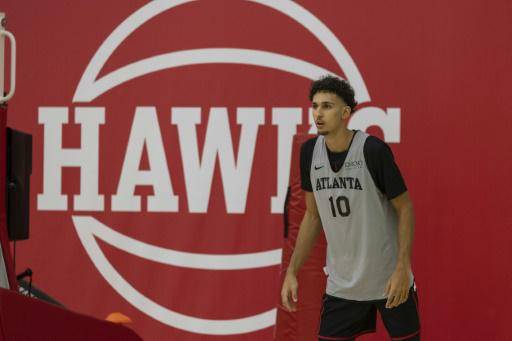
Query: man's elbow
{"type": "Point", "coordinates": [403, 205]}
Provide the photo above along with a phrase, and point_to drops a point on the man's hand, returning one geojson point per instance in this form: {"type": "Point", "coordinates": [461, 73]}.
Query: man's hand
{"type": "Point", "coordinates": [397, 288]}
{"type": "Point", "coordinates": [289, 292]}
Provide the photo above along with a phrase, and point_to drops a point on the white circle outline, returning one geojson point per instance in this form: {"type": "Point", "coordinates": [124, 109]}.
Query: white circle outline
{"type": "Point", "coordinates": [89, 228]}
{"type": "Point", "coordinates": [90, 88]}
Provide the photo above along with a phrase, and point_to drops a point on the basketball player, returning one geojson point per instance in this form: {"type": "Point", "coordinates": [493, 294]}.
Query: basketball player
{"type": "Point", "coordinates": [355, 191]}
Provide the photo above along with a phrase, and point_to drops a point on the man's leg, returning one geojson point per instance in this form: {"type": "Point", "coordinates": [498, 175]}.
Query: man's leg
{"type": "Point", "coordinates": [345, 320]}
{"type": "Point", "coordinates": [402, 322]}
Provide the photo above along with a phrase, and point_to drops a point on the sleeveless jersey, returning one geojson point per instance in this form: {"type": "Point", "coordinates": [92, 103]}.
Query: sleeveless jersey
{"type": "Point", "coordinates": [360, 224]}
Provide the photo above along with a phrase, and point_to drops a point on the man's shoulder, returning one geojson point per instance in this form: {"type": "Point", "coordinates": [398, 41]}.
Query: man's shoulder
{"type": "Point", "coordinates": [374, 146]}
{"type": "Point", "coordinates": [306, 157]}
{"type": "Point", "coordinates": [309, 144]}
{"type": "Point", "coordinates": [373, 142]}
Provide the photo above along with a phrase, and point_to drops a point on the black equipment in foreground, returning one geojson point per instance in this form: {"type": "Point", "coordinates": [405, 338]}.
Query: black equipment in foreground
{"type": "Point", "coordinates": [27, 289]}
{"type": "Point", "coordinates": [19, 169]}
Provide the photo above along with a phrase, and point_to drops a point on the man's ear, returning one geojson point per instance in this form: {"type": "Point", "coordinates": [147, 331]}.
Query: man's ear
{"type": "Point", "coordinates": [346, 112]}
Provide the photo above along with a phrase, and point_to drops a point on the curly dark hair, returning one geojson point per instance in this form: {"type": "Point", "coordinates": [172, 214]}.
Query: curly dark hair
{"type": "Point", "coordinates": [332, 84]}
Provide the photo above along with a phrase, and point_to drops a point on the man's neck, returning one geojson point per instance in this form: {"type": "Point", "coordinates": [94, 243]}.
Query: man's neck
{"type": "Point", "coordinates": [339, 141]}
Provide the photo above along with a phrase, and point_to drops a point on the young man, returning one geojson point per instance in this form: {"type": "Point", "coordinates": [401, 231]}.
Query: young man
{"type": "Point", "coordinates": [355, 191]}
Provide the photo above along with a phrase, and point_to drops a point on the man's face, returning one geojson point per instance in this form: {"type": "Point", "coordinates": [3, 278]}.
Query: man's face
{"type": "Point", "coordinates": [330, 112]}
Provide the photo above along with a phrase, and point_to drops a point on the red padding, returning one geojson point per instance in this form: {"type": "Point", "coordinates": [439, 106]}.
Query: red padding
{"type": "Point", "coordinates": [27, 319]}
{"type": "Point", "coordinates": [302, 324]}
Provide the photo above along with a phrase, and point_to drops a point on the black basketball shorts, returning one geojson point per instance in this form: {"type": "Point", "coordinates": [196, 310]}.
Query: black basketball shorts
{"type": "Point", "coordinates": [343, 319]}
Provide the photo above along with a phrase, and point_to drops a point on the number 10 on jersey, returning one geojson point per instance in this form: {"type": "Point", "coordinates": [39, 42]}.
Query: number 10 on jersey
{"type": "Point", "coordinates": [340, 206]}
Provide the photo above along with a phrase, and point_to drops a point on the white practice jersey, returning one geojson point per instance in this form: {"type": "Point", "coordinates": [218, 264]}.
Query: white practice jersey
{"type": "Point", "coordinates": [360, 224]}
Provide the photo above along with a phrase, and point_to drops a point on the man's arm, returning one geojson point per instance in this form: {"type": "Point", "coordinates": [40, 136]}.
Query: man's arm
{"type": "Point", "coordinates": [397, 288]}
{"type": "Point", "coordinates": [308, 232]}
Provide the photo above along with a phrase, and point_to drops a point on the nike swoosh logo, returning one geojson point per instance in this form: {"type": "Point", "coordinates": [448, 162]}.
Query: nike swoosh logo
{"type": "Point", "coordinates": [318, 167]}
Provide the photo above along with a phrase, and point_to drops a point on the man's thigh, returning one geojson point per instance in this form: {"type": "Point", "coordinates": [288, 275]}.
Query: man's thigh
{"type": "Point", "coordinates": [402, 322]}
{"type": "Point", "coordinates": [345, 319]}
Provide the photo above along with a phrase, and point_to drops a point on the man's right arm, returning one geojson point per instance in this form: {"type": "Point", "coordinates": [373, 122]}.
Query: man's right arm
{"type": "Point", "coordinates": [309, 230]}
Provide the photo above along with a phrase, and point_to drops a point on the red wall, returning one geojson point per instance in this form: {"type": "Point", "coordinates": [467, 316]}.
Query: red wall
{"type": "Point", "coordinates": [442, 63]}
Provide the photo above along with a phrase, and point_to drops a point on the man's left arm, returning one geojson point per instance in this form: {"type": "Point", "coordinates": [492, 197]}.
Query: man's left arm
{"type": "Point", "coordinates": [397, 288]}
